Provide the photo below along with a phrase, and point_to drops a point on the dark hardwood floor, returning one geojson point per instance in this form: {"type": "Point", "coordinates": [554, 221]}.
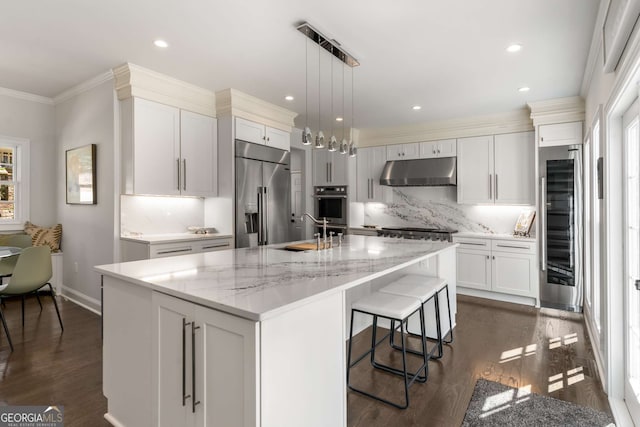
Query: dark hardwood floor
{"type": "Point", "coordinates": [546, 350]}
{"type": "Point", "coordinates": [48, 367]}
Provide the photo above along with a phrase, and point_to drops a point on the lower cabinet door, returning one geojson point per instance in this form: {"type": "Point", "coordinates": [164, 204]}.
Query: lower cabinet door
{"type": "Point", "coordinates": [474, 269]}
{"type": "Point", "coordinates": [226, 370]}
{"type": "Point", "coordinates": [172, 360]}
{"type": "Point", "coordinates": [513, 273]}
{"type": "Point", "coordinates": [205, 366]}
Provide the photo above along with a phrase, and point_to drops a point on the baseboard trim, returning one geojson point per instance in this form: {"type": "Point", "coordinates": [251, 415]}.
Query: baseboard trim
{"type": "Point", "coordinates": [596, 348]}
{"type": "Point", "coordinates": [81, 299]}
{"type": "Point", "coordinates": [620, 413]}
{"type": "Point", "coordinates": [496, 296]}
{"type": "Point", "coordinates": [112, 420]}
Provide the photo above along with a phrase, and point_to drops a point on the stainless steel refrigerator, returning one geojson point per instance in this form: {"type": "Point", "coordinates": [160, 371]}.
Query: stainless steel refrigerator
{"type": "Point", "coordinates": [262, 188]}
{"type": "Point", "coordinates": [561, 234]}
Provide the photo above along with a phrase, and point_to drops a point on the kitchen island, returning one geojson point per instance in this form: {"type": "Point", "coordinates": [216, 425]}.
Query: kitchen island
{"type": "Point", "coordinates": [244, 337]}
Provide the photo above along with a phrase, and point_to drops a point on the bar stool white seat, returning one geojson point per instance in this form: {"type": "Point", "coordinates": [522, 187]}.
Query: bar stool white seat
{"type": "Point", "coordinates": [423, 288]}
{"type": "Point", "coordinates": [395, 308]}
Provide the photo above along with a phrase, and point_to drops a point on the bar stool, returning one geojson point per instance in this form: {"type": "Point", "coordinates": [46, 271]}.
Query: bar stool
{"type": "Point", "coordinates": [395, 308]}
{"type": "Point", "coordinates": [423, 288]}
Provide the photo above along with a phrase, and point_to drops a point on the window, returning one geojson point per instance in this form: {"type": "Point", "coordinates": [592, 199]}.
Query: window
{"type": "Point", "coordinates": [14, 182]}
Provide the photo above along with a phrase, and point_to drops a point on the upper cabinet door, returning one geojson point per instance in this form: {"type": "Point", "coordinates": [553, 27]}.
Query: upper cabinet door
{"type": "Point", "coordinates": [560, 134]}
{"type": "Point", "coordinates": [475, 170]}
{"type": "Point", "coordinates": [380, 193]}
{"type": "Point", "coordinates": [363, 174]}
{"type": "Point", "coordinates": [514, 158]}
{"type": "Point", "coordinates": [249, 131]}
{"type": "Point", "coordinates": [441, 148]}
{"type": "Point", "coordinates": [338, 168]}
{"type": "Point", "coordinates": [199, 152]}
{"type": "Point", "coordinates": [277, 138]}
{"type": "Point", "coordinates": [403, 151]}
{"type": "Point", "coordinates": [321, 161]}
{"type": "Point", "coordinates": [156, 148]}
{"type": "Point", "coordinates": [395, 152]}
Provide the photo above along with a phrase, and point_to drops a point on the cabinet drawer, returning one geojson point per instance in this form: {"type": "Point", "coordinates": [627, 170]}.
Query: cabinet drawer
{"type": "Point", "coordinates": [160, 251]}
{"type": "Point", "coordinates": [473, 243]}
{"type": "Point", "coordinates": [514, 246]}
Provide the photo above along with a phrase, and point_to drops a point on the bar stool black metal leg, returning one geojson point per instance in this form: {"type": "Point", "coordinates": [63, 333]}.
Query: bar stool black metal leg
{"type": "Point", "coordinates": [373, 340]}
{"type": "Point", "coordinates": [404, 368]}
{"type": "Point", "coordinates": [349, 351]}
{"type": "Point", "coordinates": [450, 324]}
{"type": "Point", "coordinates": [6, 329]}
{"type": "Point", "coordinates": [436, 301]}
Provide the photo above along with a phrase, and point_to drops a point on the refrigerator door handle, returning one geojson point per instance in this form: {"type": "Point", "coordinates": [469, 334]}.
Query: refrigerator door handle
{"type": "Point", "coordinates": [260, 222]}
{"type": "Point", "coordinates": [543, 225]}
{"type": "Point", "coordinates": [490, 192]}
{"type": "Point", "coordinates": [265, 207]}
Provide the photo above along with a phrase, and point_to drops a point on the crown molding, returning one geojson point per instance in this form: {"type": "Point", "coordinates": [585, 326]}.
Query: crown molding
{"type": "Point", "coordinates": [83, 87]}
{"type": "Point", "coordinates": [235, 103]}
{"type": "Point", "coordinates": [559, 110]}
{"type": "Point", "coordinates": [595, 50]}
{"type": "Point", "coordinates": [515, 121]}
{"type": "Point", "coordinates": [25, 96]}
{"type": "Point", "coordinates": [135, 81]}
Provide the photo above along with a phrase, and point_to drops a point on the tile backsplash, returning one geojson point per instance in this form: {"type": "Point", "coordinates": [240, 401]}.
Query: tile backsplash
{"type": "Point", "coordinates": [437, 207]}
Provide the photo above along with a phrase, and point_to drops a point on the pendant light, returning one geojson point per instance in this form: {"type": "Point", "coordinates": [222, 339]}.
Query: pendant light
{"type": "Point", "coordinates": [307, 138]}
{"type": "Point", "coordinates": [333, 143]}
{"type": "Point", "coordinates": [319, 135]}
{"type": "Point", "coordinates": [344, 145]}
{"type": "Point", "coordinates": [353, 150]}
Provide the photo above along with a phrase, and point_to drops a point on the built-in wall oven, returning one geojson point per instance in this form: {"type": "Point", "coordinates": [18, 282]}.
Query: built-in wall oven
{"type": "Point", "coordinates": [331, 203]}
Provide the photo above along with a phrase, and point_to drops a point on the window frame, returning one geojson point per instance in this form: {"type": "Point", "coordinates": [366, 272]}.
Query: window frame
{"type": "Point", "coordinates": [22, 194]}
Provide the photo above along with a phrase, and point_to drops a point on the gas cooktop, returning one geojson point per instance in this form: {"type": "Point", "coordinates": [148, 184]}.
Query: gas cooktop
{"type": "Point", "coordinates": [422, 233]}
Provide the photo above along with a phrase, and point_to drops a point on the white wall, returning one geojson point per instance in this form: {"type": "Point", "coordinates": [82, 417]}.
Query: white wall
{"type": "Point", "coordinates": [34, 121]}
{"type": "Point", "coordinates": [88, 230]}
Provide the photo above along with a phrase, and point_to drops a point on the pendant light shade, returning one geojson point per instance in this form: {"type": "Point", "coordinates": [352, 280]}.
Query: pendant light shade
{"type": "Point", "coordinates": [319, 140]}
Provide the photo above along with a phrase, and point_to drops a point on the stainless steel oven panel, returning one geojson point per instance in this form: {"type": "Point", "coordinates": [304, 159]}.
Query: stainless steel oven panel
{"type": "Point", "coordinates": [331, 203]}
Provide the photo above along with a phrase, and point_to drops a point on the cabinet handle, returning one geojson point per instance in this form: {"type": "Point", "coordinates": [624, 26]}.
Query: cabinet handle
{"type": "Point", "coordinates": [472, 243]}
{"type": "Point", "coordinates": [178, 163]}
{"type": "Point", "coordinates": [372, 189]}
{"type": "Point", "coordinates": [194, 402]}
{"type": "Point", "coordinates": [438, 150]}
{"type": "Point", "coordinates": [184, 362]}
{"type": "Point", "coordinates": [490, 193]}
{"type": "Point", "coordinates": [487, 256]}
{"type": "Point", "coordinates": [331, 171]}
{"type": "Point", "coordinates": [184, 174]}
{"type": "Point", "coordinates": [514, 247]}
{"type": "Point", "coordinates": [543, 226]}
{"type": "Point", "coordinates": [173, 251]}
{"type": "Point", "coordinates": [327, 171]}
{"type": "Point", "coordinates": [496, 186]}
{"type": "Point", "coordinates": [433, 151]}
{"type": "Point", "coordinates": [220, 245]}
{"type": "Point", "coordinates": [493, 257]}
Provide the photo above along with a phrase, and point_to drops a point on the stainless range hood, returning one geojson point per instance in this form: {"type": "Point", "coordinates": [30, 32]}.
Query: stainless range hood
{"type": "Point", "coordinates": [439, 171]}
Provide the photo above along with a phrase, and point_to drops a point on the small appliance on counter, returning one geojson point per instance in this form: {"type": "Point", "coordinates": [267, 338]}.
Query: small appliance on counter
{"type": "Point", "coordinates": [202, 230]}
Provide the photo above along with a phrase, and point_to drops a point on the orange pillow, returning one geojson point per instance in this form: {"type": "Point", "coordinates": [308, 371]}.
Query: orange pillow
{"type": "Point", "coordinates": [43, 236]}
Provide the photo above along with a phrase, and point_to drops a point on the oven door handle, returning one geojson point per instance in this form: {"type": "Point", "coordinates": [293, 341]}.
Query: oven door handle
{"type": "Point", "coordinates": [330, 197]}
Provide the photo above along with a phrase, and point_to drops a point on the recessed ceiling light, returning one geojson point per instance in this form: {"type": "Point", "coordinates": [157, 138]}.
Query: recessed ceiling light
{"type": "Point", "coordinates": [289, 98]}
{"type": "Point", "coordinates": [514, 48]}
{"type": "Point", "coordinates": [161, 43]}
{"type": "Point", "coordinates": [524, 89]}
{"type": "Point", "coordinates": [339, 119]}
{"type": "Point", "coordinates": [416, 107]}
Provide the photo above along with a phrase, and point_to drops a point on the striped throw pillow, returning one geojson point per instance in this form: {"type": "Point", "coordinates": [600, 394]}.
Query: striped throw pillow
{"type": "Point", "coordinates": [41, 236]}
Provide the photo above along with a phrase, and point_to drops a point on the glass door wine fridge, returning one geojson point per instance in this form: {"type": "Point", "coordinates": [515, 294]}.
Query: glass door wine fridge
{"type": "Point", "coordinates": [561, 227]}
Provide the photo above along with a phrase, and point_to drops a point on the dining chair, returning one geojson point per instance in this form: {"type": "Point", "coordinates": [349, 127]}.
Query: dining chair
{"type": "Point", "coordinates": [7, 264]}
{"type": "Point", "coordinates": [32, 271]}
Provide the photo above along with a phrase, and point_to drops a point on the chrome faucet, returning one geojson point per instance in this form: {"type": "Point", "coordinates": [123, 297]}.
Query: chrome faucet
{"type": "Point", "coordinates": [318, 222]}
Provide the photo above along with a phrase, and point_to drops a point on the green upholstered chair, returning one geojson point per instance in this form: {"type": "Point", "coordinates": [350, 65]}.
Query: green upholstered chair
{"type": "Point", "coordinates": [32, 271]}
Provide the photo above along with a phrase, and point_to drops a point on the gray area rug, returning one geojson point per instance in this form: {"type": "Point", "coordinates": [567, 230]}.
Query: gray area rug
{"type": "Point", "coordinates": [494, 404]}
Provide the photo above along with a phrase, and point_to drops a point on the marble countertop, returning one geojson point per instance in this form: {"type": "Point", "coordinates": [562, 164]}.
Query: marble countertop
{"type": "Point", "coordinates": [494, 236]}
{"type": "Point", "coordinates": [173, 237]}
{"type": "Point", "coordinates": [258, 283]}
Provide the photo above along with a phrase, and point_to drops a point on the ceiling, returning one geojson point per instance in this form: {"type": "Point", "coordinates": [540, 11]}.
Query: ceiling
{"type": "Point", "coordinates": [447, 56]}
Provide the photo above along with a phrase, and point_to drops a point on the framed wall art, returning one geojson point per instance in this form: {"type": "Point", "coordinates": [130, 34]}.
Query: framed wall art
{"type": "Point", "coordinates": [81, 175]}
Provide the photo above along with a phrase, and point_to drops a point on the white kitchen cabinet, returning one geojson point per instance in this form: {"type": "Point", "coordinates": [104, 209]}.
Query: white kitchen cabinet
{"type": "Point", "coordinates": [199, 154]}
{"type": "Point", "coordinates": [258, 133]}
{"type": "Point", "coordinates": [441, 148]}
{"type": "Point", "coordinates": [560, 134]}
{"type": "Point", "coordinates": [503, 266]}
{"type": "Point", "coordinates": [329, 168]}
{"type": "Point", "coordinates": [369, 164]}
{"type": "Point", "coordinates": [132, 250]}
{"type": "Point", "coordinates": [514, 172]}
{"type": "Point", "coordinates": [403, 151]}
{"type": "Point", "coordinates": [167, 151]}
{"type": "Point", "coordinates": [199, 355]}
{"type": "Point", "coordinates": [475, 170]}
{"type": "Point", "coordinates": [496, 170]}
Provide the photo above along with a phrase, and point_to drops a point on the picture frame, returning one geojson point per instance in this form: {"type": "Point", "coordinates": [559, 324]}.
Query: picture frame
{"type": "Point", "coordinates": [524, 223]}
{"type": "Point", "coordinates": [80, 172]}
